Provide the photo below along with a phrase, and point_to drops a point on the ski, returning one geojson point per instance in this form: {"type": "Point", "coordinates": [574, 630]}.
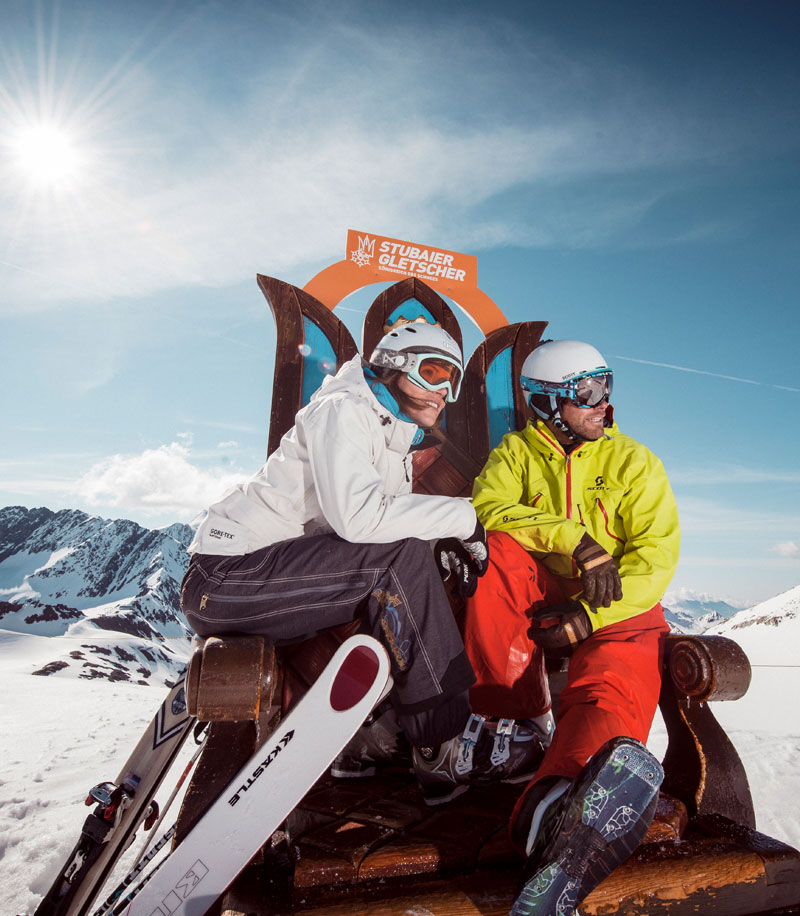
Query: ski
{"type": "Point", "coordinates": [134, 873]}
{"type": "Point", "coordinates": [121, 808]}
{"type": "Point", "coordinates": [268, 787]}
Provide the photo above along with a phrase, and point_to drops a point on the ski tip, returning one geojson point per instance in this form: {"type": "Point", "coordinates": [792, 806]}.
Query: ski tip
{"type": "Point", "coordinates": [355, 677]}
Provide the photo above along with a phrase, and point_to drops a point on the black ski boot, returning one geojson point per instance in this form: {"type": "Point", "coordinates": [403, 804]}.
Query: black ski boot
{"type": "Point", "coordinates": [380, 740]}
{"type": "Point", "coordinates": [501, 751]}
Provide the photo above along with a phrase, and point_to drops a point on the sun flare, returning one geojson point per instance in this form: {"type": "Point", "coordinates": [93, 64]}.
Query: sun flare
{"type": "Point", "coordinates": [47, 155]}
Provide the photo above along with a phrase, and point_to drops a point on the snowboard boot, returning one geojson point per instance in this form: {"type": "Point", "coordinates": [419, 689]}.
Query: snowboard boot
{"type": "Point", "coordinates": [379, 740]}
{"type": "Point", "coordinates": [485, 752]}
{"type": "Point", "coordinates": [577, 834]}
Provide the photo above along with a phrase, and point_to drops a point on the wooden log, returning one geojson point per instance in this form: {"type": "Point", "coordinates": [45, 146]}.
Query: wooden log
{"type": "Point", "coordinates": [232, 679]}
{"type": "Point", "coordinates": [708, 667]}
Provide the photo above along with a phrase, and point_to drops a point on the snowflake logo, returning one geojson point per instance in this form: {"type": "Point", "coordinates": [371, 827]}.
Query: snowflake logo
{"type": "Point", "coordinates": [365, 253]}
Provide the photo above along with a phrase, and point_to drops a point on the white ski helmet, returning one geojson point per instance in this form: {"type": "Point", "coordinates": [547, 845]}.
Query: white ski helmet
{"type": "Point", "coordinates": [426, 353]}
{"type": "Point", "coordinates": [565, 369]}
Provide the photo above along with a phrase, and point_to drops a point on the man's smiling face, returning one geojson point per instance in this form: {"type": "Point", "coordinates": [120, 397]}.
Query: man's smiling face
{"type": "Point", "coordinates": [585, 421]}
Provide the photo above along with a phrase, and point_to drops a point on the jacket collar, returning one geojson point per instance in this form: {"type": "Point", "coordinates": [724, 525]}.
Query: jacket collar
{"type": "Point", "coordinates": [543, 439]}
{"type": "Point", "coordinates": [398, 434]}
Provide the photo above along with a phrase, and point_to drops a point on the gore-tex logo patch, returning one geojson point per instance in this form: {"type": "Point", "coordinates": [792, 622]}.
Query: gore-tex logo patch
{"type": "Point", "coordinates": [216, 533]}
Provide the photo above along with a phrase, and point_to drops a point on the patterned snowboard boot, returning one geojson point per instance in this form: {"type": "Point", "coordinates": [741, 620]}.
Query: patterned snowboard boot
{"type": "Point", "coordinates": [578, 834]}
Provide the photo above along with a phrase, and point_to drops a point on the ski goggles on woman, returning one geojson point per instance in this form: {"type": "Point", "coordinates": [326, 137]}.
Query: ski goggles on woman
{"type": "Point", "coordinates": [430, 371]}
{"type": "Point", "coordinates": [433, 372]}
{"type": "Point", "coordinates": [587, 390]}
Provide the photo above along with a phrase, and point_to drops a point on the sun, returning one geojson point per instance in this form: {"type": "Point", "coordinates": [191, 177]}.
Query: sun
{"type": "Point", "coordinates": [47, 156]}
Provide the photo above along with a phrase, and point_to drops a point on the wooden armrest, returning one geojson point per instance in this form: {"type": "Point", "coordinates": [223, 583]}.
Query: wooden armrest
{"type": "Point", "coordinates": [231, 679]}
{"type": "Point", "coordinates": [708, 667]}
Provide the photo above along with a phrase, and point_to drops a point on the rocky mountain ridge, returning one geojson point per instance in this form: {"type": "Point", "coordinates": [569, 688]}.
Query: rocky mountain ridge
{"type": "Point", "coordinates": [107, 590]}
{"type": "Point", "coordinates": [687, 611]}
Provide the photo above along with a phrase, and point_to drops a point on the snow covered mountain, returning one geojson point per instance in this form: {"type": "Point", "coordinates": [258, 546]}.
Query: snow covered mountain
{"type": "Point", "coordinates": [768, 632]}
{"type": "Point", "coordinates": [688, 611]}
{"type": "Point", "coordinates": [105, 593]}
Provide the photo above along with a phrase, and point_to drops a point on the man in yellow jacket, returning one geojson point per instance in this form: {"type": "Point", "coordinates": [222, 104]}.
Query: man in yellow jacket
{"type": "Point", "coordinates": [583, 541]}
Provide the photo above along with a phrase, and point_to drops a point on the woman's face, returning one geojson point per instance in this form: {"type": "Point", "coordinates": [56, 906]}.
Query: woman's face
{"type": "Point", "coordinates": [421, 405]}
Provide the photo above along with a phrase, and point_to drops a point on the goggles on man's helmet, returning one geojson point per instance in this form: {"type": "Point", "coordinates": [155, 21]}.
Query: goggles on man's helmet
{"type": "Point", "coordinates": [430, 371]}
{"type": "Point", "coordinates": [586, 390]}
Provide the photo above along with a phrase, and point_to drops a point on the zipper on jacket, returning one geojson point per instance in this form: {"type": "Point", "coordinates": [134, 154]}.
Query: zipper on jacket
{"type": "Point", "coordinates": [569, 486]}
{"type": "Point", "coordinates": [605, 516]}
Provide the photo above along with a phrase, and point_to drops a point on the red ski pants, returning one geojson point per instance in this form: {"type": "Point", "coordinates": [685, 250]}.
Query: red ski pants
{"type": "Point", "coordinates": [614, 677]}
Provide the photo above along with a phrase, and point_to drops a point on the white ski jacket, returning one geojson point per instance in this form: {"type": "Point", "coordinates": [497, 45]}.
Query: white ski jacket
{"type": "Point", "coordinates": [344, 467]}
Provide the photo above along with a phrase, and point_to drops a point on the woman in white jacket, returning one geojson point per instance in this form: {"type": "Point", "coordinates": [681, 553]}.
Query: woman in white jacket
{"type": "Point", "coordinates": [328, 530]}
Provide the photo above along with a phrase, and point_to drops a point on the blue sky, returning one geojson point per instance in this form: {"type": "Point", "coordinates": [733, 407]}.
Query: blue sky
{"type": "Point", "coordinates": [627, 171]}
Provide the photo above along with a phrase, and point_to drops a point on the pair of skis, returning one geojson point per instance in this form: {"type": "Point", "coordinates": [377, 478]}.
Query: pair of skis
{"type": "Point", "coordinates": [122, 807]}
{"type": "Point", "coordinates": [264, 792]}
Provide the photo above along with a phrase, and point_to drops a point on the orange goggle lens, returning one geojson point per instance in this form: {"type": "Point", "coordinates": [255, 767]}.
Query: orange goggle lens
{"type": "Point", "coordinates": [438, 371]}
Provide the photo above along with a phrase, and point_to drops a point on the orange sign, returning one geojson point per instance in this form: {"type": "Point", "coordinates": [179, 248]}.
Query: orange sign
{"type": "Point", "coordinates": [378, 258]}
{"type": "Point", "coordinates": [392, 257]}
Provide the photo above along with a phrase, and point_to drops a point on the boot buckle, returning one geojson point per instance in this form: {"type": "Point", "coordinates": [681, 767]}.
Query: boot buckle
{"type": "Point", "coordinates": [502, 741]}
{"type": "Point", "coordinates": [469, 739]}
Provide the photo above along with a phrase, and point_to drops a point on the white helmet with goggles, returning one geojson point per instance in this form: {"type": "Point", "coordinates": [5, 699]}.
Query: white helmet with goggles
{"type": "Point", "coordinates": [565, 370]}
{"type": "Point", "coordinates": [426, 353]}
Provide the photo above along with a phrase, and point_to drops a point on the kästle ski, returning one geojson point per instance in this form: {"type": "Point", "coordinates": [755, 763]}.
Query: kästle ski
{"type": "Point", "coordinates": [268, 787]}
{"type": "Point", "coordinates": [121, 808]}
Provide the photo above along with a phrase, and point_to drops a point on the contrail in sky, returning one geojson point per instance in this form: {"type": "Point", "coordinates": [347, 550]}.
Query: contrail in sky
{"type": "Point", "coordinates": [730, 378]}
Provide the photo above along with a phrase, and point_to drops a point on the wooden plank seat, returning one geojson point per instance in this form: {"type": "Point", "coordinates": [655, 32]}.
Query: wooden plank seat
{"type": "Point", "coordinates": [371, 846]}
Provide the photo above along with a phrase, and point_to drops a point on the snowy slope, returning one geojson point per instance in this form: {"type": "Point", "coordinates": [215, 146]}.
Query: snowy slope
{"type": "Point", "coordinates": [60, 737]}
{"type": "Point", "coordinates": [769, 632]}
{"type": "Point", "coordinates": [106, 593]}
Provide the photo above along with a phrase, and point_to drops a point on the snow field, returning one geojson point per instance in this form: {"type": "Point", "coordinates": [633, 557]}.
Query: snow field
{"type": "Point", "coordinates": [60, 736]}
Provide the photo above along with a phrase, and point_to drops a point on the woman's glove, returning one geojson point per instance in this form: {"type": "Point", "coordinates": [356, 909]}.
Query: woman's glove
{"type": "Point", "coordinates": [468, 560]}
{"type": "Point", "coordinates": [559, 629]}
{"type": "Point", "coordinates": [599, 574]}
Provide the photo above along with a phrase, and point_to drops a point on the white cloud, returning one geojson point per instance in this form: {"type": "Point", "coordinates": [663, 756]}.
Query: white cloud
{"type": "Point", "coordinates": [788, 549]}
{"type": "Point", "coordinates": [699, 515]}
{"type": "Point", "coordinates": [231, 443]}
{"type": "Point", "coordinates": [155, 481]}
{"type": "Point", "coordinates": [685, 593]}
{"type": "Point", "coordinates": [211, 424]}
{"type": "Point", "coordinates": [350, 125]}
{"type": "Point", "coordinates": [730, 475]}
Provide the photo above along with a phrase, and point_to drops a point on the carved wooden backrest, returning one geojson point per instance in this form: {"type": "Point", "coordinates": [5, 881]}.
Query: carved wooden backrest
{"type": "Point", "coordinates": [313, 342]}
{"type": "Point", "coordinates": [702, 766]}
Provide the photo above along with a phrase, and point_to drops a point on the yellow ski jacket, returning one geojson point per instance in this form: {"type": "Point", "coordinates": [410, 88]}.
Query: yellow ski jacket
{"type": "Point", "coordinates": [614, 488]}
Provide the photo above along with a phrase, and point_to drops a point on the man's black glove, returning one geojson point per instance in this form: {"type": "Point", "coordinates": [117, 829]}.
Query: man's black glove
{"type": "Point", "coordinates": [468, 560]}
{"type": "Point", "coordinates": [599, 574]}
{"type": "Point", "coordinates": [559, 629]}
